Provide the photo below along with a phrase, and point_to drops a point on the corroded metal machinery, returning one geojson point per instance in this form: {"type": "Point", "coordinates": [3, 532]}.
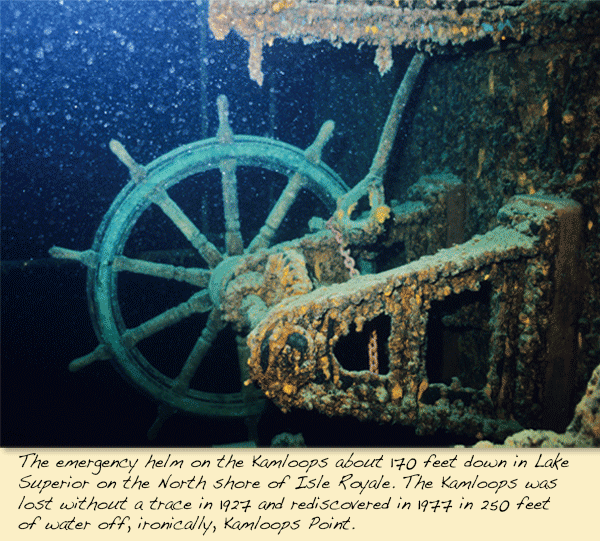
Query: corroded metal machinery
{"type": "Point", "coordinates": [476, 339]}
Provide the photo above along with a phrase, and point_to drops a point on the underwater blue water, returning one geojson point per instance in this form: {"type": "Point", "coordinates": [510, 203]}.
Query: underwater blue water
{"type": "Point", "coordinates": [74, 75]}
{"type": "Point", "coordinates": [77, 74]}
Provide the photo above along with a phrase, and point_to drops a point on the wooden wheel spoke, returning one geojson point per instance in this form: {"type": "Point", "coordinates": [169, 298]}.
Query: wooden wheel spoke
{"type": "Point", "coordinates": [290, 193]}
{"type": "Point", "coordinates": [101, 353]}
{"type": "Point", "coordinates": [277, 214]}
{"type": "Point", "coordinates": [193, 276]}
{"type": "Point", "coordinates": [233, 238]}
{"type": "Point", "coordinates": [205, 248]}
{"type": "Point", "coordinates": [89, 258]}
{"type": "Point", "coordinates": [213, 325]}
{"type": "Point", "coordinates": [197, 303]}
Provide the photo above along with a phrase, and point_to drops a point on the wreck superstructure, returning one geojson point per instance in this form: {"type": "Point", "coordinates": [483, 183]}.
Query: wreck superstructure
{"type": "Point", "coordinates": [476, 308]}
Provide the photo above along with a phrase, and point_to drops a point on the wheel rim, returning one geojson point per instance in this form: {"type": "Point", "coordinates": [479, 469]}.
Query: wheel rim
{"type": "Point", "coordinates": [117, 225]}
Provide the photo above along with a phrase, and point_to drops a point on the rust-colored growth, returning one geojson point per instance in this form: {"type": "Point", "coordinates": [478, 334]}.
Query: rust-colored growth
{"type": "Point", "coordinates": [294, 344]}
{"type": "Point", "coordinates": [388, 23]}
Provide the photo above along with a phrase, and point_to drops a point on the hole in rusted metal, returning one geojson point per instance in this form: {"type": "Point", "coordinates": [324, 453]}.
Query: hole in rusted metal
{"type": "Point", "coordinates": [458, 338]}
{"type": "Point", "coordinates": [352, 350]}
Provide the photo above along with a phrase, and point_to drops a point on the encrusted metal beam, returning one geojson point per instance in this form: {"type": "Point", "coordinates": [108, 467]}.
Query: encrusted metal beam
{"type": "Point", "coordinates": [424, 24]}
{"type": "Point", "coordinates": [484, 295]}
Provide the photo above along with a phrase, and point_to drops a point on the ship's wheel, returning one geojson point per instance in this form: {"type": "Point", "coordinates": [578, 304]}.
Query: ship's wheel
{"type": "Point", "coordinates": [149, 187]}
